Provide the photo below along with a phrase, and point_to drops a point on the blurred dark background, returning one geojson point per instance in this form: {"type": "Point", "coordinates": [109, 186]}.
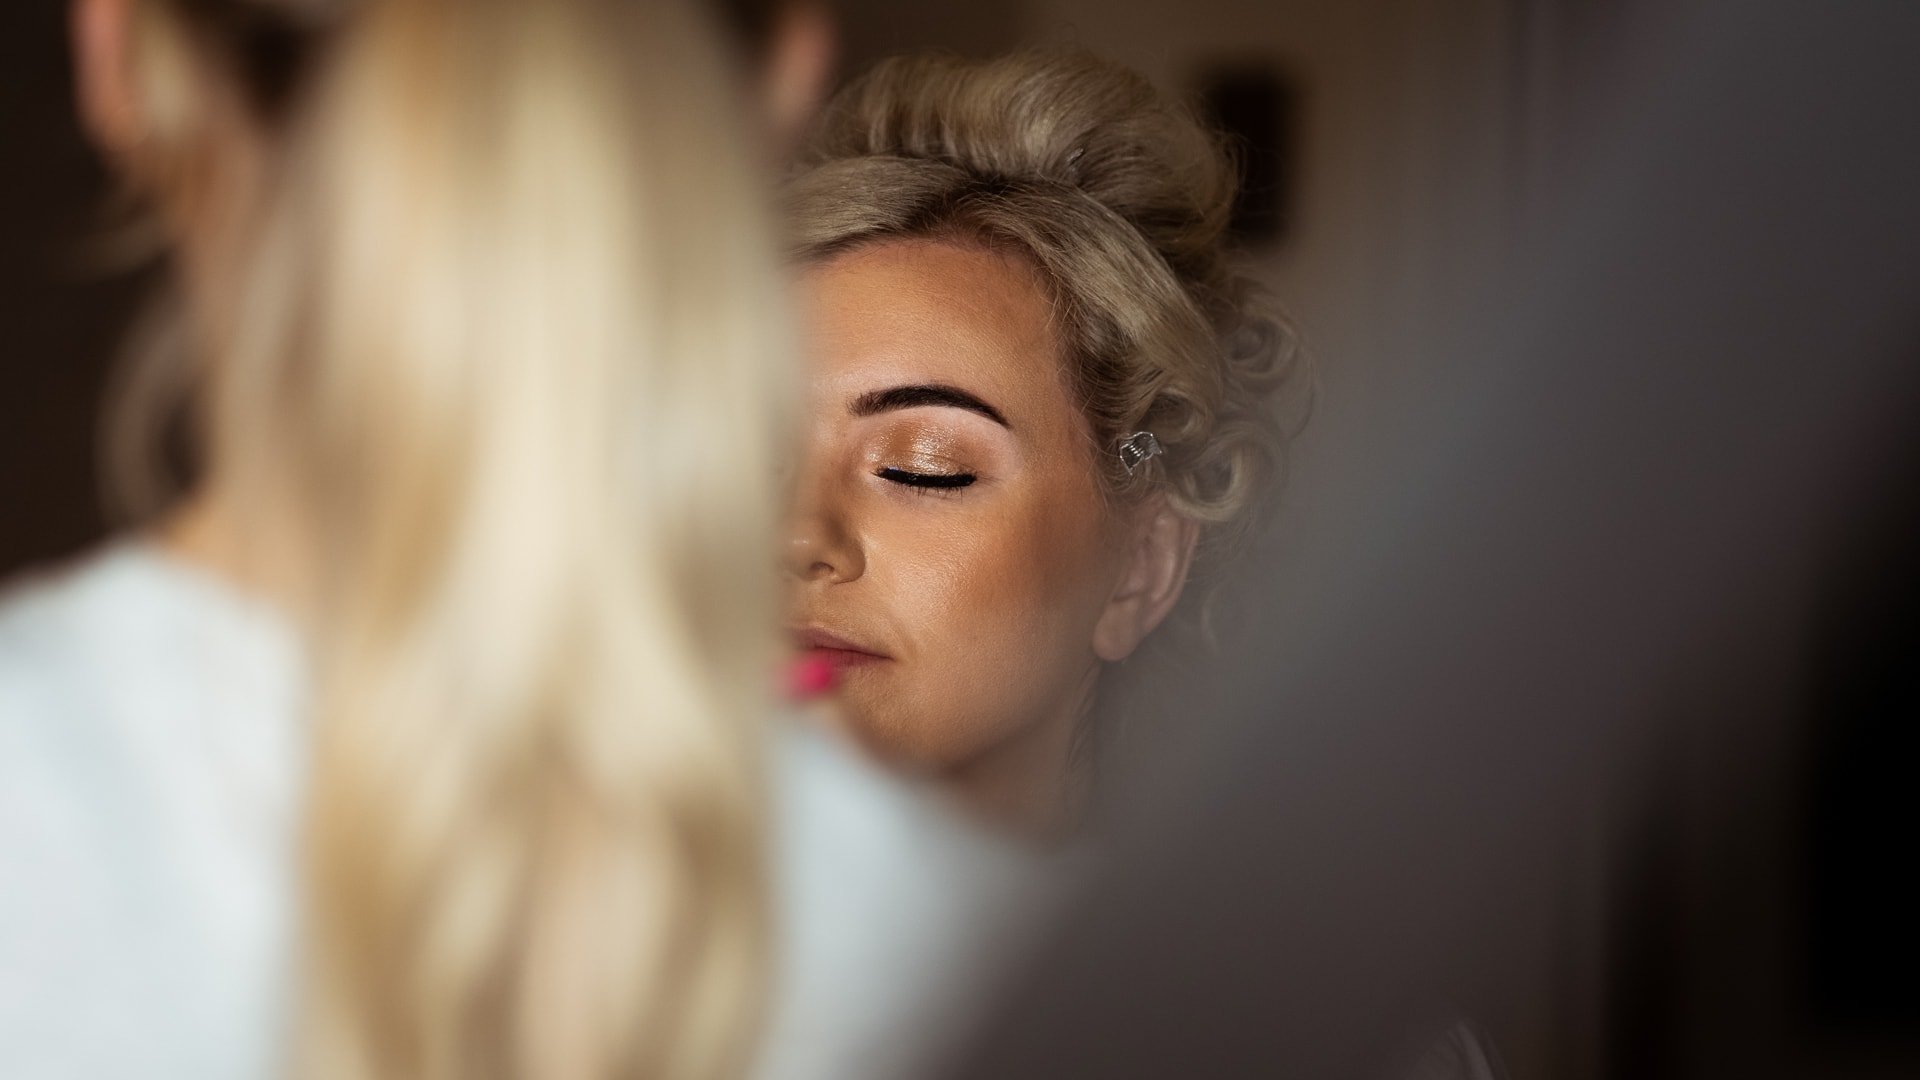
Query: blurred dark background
{"type": "Point", "coordinates": [60, 319]}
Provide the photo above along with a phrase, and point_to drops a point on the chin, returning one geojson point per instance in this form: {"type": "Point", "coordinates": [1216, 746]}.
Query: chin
{"type": "Point", "coordinates": [912, 740]}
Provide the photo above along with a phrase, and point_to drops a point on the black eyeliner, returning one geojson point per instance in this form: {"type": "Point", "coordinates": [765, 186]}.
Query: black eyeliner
{"type": "Point", "coordinates": [926, 480]}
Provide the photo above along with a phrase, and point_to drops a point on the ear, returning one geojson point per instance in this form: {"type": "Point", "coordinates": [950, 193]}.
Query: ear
{"type": "Point", "coordinates": [103, 75]}
{"type": "Point", "coordinates": [1154, 575]}
{"type": "Point", "coordinates": [799, 63]}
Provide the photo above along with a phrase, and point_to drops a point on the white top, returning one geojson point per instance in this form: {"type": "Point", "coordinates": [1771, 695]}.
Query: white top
{"type": "Point", "coordinates": [150, 763]}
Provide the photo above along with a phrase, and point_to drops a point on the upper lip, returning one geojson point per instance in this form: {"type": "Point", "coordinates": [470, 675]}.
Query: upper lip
{"type": "Point", "coordinates": [814, 637]}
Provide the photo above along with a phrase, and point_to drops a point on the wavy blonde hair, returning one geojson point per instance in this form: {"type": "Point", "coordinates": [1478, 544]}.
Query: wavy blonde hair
{"type": "Point", "coordinates": [497, 332]}
{"type": "Point", "coordinates": [1120, 198]}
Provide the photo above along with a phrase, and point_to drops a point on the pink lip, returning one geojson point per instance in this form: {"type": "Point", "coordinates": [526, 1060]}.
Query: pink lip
{"type": "Point", "coordinates": [833, 649]}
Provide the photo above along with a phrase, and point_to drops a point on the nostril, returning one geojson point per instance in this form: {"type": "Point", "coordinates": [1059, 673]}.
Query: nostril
{"type": "Point", "coordinates": [803, 559]}
{"type": "Point", "coordinates": [819, 548]}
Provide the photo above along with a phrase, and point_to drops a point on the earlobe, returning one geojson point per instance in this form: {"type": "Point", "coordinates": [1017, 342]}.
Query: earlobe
{"type": "Point", "coordinates": [1150, 584]}
{"type": "Point", "coordinates": [103, 75]}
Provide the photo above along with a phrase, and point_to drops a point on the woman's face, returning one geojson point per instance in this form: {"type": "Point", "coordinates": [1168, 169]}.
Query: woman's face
{"type": "Point", "coordinates": [950, 549]}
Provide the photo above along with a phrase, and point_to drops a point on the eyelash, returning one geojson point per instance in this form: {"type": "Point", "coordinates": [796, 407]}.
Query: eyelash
{"type": "Point", "coordinates": [930, 482]}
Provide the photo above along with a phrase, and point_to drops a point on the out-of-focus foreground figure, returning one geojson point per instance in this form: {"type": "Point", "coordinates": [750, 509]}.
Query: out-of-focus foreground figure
{"type": "Point", "coordinates": [425, 740]}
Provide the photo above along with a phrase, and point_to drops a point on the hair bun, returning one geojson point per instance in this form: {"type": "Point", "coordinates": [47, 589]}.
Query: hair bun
{"type": "Point", "coordinates": [1062, 117]}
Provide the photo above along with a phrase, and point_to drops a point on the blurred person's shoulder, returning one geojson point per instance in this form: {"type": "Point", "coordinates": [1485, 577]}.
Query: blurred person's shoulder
{"type": "Point", "coordinates": [893, 912]}
{"type": "Point", "coordinates": [127, 630]}
{"type": "Point", "coordinates": [871, 863]}
{"type": "Point", "coordinates": [839, 805]}
{"type": "Point", "coordinates": [127, 681]}
{"type": "Point", "coordinates": [58, 625]}
{"type": "Point", "coordinates": [127, 678]}
{"type": "Point", "coordinates": [147, 740]}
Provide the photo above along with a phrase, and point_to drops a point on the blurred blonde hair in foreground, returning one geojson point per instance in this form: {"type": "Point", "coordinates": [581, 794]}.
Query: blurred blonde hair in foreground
{"type": "Point", "coordinates": [494, 341]}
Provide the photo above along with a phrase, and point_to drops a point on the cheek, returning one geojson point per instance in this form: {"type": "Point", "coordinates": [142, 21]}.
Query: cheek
{"type": "Point", "coordinates": [999, 604]}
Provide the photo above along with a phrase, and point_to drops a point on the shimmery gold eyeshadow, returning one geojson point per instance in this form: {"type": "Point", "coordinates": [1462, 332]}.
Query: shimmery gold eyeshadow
{"type": "Point", "coordinates": [923, 448]}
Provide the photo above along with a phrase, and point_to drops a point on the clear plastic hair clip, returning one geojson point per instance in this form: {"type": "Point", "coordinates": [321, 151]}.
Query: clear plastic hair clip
{"type": "Point", "coordinates": [1137, 449]}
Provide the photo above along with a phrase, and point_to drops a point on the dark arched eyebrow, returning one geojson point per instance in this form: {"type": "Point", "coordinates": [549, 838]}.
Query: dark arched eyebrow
{"type": "Point", "coordinates": [912, 397]}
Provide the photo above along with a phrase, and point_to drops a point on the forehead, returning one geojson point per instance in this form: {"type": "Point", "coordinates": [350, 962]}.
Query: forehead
{"type": "Point", "coordinates": [935, 311]}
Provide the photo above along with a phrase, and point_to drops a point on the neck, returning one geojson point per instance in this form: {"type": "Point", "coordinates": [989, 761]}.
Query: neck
{"type": "Point", "coordinates": [1029, 783]}
{"type": "Point", "coordinates": [255, 552]}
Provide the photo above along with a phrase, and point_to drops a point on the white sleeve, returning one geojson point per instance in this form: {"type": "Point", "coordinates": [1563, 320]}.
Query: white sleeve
{"type": "Point", "coordinates": [60, 980]}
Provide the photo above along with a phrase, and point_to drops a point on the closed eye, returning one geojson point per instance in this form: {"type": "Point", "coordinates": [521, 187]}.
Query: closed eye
{"type": "Point", "coordinates": [926, 480]}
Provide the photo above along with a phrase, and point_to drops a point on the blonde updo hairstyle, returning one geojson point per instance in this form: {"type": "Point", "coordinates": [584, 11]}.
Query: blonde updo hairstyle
{"type": "Point", "coordinates": [1120, 198]}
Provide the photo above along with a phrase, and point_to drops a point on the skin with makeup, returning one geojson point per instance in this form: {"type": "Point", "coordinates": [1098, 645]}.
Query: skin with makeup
{"type": "Point", "coordinates": [953, 552]}
{"type": "Point", "coordinates": [1010, 268]}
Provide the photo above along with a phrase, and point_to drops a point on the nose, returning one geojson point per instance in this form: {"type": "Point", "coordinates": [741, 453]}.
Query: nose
{"type": "Point", "coordinates": [820, 543]}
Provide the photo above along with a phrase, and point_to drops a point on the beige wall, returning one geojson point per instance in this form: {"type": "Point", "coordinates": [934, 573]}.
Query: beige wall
{"type": "Point", "coordinates": [1408, 159]}
{"type": "Point", "coordinates": [1406, 163]}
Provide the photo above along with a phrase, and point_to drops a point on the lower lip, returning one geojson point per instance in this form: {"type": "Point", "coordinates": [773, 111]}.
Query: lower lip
{"type": "Point", "coordinates": [843, 659]}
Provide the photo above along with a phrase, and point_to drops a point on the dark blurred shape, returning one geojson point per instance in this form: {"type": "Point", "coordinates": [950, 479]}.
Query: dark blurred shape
{"type": "Point", "coordinates": [751, 22]}
{"type": "Point", "coordinates": [275, 48]}
{"type": "Point", "coordinates": [871, 30]}
{"type": "Point", "coordinates": [1604, 591]}
{"type": "Point", "coordinates": [1253, 105]}
{"type": "Point", "coordinates": [60, 319]}
{"type": "Point", "coordinates": [1863, 906]}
